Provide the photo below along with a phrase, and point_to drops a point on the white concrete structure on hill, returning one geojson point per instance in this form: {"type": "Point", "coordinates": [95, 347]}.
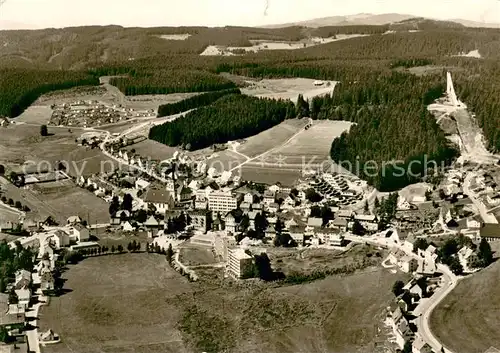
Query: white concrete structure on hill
{"type": "Point", "coordinates": [239, 264]}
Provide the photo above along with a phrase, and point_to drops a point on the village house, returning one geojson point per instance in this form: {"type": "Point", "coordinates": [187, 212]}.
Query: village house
{"type": "Point", "coordinates": [141, 184]}
{"type": "Point", "coordinates": [79, 232]}
{"type": "Point", "coordinates": [369, 222]}
{"type": "Point", "coordinates": [120, 216]}
{"type": "Point", "coordinates": [200, 220]}
{"type": "Point", "coordinates": [160, 199]}
{"type": "Point", "coordinates": [58, 238]}
{"type": "Point", "coordinates": [289, 203]}
{"type": "Point", "coordinates": [152, 222]}
{"type": "Point", "coordinates": [127, 227]}
{"type": "Point", "coordinates": [420, 346]}
{"type": "Point", "coordinates": [273, 207]}
{"type": "Point", "coordinates": [249, 198]}
{"type": "Point", "coordinates": [331, 237]}
{"type": "Point", "coordinates": [9, 320]}
{"type": "Point", "coordinates": [73, 220]}
{"type": "Point", "coordinates": [269, 197]}
{"type": "Point", "coordinates": [338, 223]}
{"type": "Point", "coordinates": [270, 232]}
{"type": "Point", "coordinates": [297, 233]}
{"type": "Point", "coordinates": [184, 194]}
{"type": "Point", "coordinates": [230, 222]}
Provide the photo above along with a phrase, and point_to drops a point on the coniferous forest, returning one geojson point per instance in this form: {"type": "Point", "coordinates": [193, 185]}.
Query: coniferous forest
{"type": "Point", "coordinates": [231, 117]}
{"type": "Point", "coordinates": [384, 81]}
{"type": "Point", "coordinates": [194, 102]}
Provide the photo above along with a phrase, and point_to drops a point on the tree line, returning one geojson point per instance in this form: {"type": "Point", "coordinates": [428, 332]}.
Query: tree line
{"type": "Point", "coordinates": [171, 81]}
{"type": "Point", "coordinates": [231, 117]}
{"type": "Point", "coordinates": [19, 88]}
{"type": "Point", "coordinates": [392, 128]}
{"type": "Point", "coordinates": [197, 101]}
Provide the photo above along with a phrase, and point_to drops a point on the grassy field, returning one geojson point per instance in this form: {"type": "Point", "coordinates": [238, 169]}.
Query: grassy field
{"type": "Point", "coordinates": [193, 255]}
{"type": "Point", "coordinates": [467, 320]}
{"type": "Point", "coordinates": [287, 88]}
{"type": "Point", "coordinates": [118, 304]}
{"type": "Point", "coordinates": [306, 261]}
{"type": "Point", "coordinates": [36, 114]}
{"type": "Point", "coordinates": [22, 143]}
{"type": "Point", "coordinates": [271, 138]}
{"type": "Point", "coordinates": [309, 149]}
{"type": "Point", "coordinates": [152, 149]}
{"type": "Point", "coordinates": [64, 199]}
{"type": "Point", "coordinates": [313, 144]}
{"type": "Point", "coordinates": [338, 315]}
{"type": "Point", "coordinates": [135, 303]}
{"type": "Point", "coordinates": [269, 175]}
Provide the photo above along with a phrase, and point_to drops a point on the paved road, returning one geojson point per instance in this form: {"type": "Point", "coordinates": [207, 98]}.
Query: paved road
{"type": "Point", "coordinates": [32, 335]}
{"type": "Point", "coordinates": [426, 306]}
{"type": "Point", "coordinates": [487, 217]}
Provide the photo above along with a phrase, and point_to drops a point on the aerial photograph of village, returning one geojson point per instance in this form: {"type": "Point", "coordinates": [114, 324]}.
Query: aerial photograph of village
{"type": "Point", "coordinates": [249, 176]}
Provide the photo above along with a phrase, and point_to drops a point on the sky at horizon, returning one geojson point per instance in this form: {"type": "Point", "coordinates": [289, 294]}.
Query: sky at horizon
{"type": "Point", "coordinates": [148, 13]}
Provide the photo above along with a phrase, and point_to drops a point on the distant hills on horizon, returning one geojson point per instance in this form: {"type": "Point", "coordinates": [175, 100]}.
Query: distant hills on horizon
{"type": "Point", "coordinates": [374, 20]}
{"type": "Point", "coordinates": [348, 20]}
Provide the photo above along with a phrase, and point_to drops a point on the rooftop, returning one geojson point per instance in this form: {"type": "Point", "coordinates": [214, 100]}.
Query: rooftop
{"type": "Point", "coordinates": [239, 254]}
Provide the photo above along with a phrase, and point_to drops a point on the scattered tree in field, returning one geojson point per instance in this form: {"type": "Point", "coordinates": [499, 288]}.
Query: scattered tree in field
{"type": "Point", "coordinates": [455, 265]}
{"type": "Point", "coordinates": [262, 267]}
{"type": "Point", "coordinates": [43, 130]}
{"type": "Point", "coordinates": [397, 288]}
{"type": "Point", "coordinates": [485, 254]}
{"type": "Point", "coordinates": [302, 107]}
{"type": "Point", "coordinates": [170, 253]}
{"type": "Point", "coordinates": [407, 347]}
{"type": "Point", "coordinates": [120, 248]}
{"type": "Point", "coordinates": [357, 228]}
{"type": "Point", "coordinates": [113, 249]}
{"type": "Point", "coordinates": [2, 169]}
{"type": "Point", "coordinates": [13, 299]}
{"type": "Point", "coordinates": [420, 243]}
{"type": "Point", "coordinates": [127, 202]}
{"type": "Point", "coordinates": [18, 205]}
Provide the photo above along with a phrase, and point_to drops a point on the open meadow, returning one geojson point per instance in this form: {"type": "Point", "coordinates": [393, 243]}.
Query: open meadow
{"type": "Point", "coordinates": [21, 143]}
{"type": "Point", "coordinates": [117, 304]}
{"type": "Point", "coordinates": [196, 255]}
{"type": "Point", "coordinates": [108, 94]}
{"type": "Point", "coordinates": [468, 320]}
{"type": "Point", "coordinates": [136, 303]}
{"type": "Point", "coordinates": [271, 138]}
{"type": "Point", "coordinates": [65, 199]}
{"type": "Point", "coordinates": [312, 145]}
{"type": "Point", "coordinates": [285, 161]}
{"type": "Point", "coordinates": [287, 88]}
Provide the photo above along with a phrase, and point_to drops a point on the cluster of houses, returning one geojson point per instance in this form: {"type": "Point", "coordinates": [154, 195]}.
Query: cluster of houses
{"type": "Point", "coordinates": [15, 306]}
{"type": "Point", "coordinates": [92, 113]}
{"type": "Point", "coordinates": [400, 314]}
{"type": "Point", "coordinates": [337, 188]}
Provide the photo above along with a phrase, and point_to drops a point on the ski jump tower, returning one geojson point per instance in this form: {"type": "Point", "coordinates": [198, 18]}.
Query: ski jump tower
{"type": "Point", "coordinates": [450, 91]}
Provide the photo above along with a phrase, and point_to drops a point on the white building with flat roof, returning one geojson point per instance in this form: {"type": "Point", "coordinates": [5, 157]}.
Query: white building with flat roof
{"type": "Point", "coordinates": [222, 201]}
{"type": "Point", "coordinates": [239, 263]}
